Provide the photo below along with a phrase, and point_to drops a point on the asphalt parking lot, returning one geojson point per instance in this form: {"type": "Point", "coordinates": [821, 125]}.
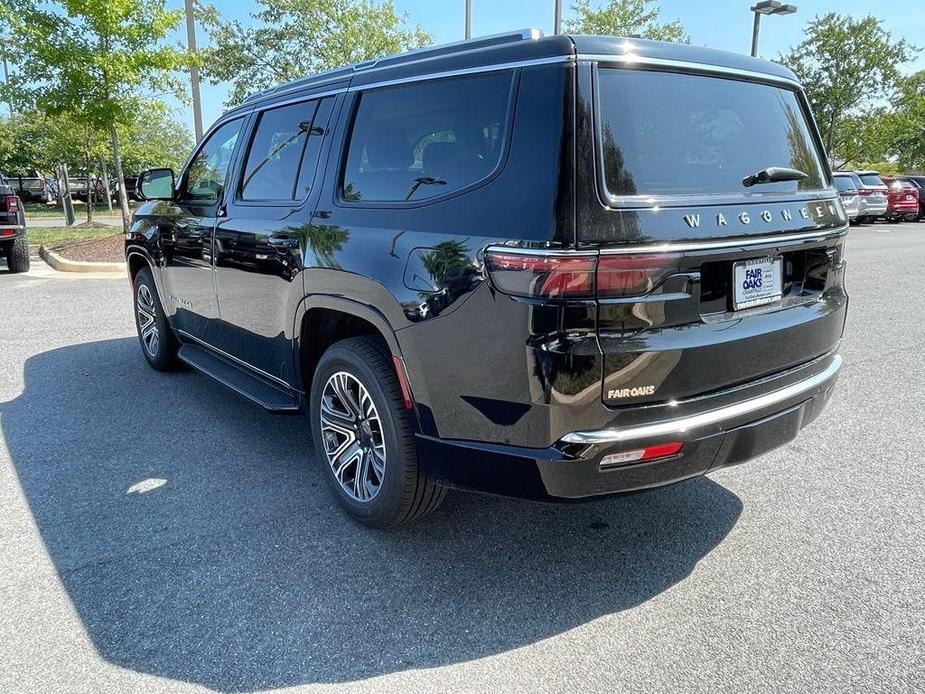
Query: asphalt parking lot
{"type": "Point", "coordinates": [162, 534]}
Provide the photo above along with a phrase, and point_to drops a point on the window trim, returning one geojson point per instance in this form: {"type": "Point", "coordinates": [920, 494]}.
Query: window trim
{"type": "Point", "coordinates": [513, 90]}
{"type": "Point", "coordinates": [218, 125]}
{"type": "Point", "coordinates": [650, 200]}
{"type": "Point", "coordinates": [257, 116]}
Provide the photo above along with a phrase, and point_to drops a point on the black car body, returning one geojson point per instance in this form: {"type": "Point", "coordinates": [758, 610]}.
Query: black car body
{"type": "Point", "coordinates": [13, 243]}
{"type": "Point", "coordinates": [548, 234]}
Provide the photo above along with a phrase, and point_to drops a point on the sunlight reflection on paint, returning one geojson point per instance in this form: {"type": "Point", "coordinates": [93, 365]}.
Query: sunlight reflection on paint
{"type": "Point", "coordinates": [148, 485]}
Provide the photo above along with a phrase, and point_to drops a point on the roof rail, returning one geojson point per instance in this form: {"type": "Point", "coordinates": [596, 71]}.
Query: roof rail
{"type": "Point", "coordinates": [399, 58]}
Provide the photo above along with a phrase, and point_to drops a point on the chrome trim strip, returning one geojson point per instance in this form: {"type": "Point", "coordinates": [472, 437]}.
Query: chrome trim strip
{"type": "Point", "coordinates": [307, 95]}
{"type": "Point", "coordinates": [630, 59]}
{"type": "Point", "coordinates": [495, 67]}
{"type": "Point", "coordinates": [516, 250]}
{"type": "Point", "coordinates": [728, 243]}
{"type": "Point", "coordinates": [12, 226]}
{"type": "Point", "coordinates": [233, 358]}
{"type": "Point", "coordinates": [736, 242]}
{"type": "Point", "coordinates": [686, 424]}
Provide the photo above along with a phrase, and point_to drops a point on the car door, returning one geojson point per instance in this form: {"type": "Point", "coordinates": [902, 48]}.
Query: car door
{"type": "Point", "coordinates": [186, 233]}
{"type": "Point", "coordinates": [259, 243]}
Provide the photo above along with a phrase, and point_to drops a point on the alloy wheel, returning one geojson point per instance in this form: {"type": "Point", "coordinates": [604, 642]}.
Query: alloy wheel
{"type": "Point", "coordinates": [147, 319]}
{"type": "Point", "coordinates": [352, 434]}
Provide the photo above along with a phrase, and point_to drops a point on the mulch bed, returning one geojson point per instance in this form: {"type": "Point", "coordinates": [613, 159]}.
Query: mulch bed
{"type": "Point", "coordinates": [109, 249]}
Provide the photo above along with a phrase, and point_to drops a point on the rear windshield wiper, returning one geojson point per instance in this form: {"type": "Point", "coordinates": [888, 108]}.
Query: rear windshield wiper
{"type": "Point", "coordinates": [774, 174]}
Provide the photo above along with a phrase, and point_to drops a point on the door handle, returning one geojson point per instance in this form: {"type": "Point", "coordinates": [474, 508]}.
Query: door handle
{"type": "Point", "coordinates": [283, 242]}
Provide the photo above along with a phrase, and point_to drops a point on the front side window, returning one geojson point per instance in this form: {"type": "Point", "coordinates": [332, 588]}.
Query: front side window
{"type": "Point", "coordinates": [204, 180]}
{"type": "Point", "coordinates": [682, 134]}
{"type": "Point", "coordinates": [418, 141]}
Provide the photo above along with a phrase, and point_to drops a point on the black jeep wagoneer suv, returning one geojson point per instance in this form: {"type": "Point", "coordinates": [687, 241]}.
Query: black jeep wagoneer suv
{"type": "Point", "coordinates": [543, 267]}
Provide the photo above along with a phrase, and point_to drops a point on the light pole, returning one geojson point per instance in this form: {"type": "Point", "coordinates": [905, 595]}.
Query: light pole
{"type": "Point", "coordinates": [468, 19]}
{"type": "Point", "coordinates": [767, 7]}
{"type": "Point", "coordinates": [557, 25]}
{"type": "Point", "coordinates": [193, 70]}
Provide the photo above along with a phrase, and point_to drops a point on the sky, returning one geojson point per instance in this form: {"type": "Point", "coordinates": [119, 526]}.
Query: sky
{"type": "Point", "coordinates": [723, 24]}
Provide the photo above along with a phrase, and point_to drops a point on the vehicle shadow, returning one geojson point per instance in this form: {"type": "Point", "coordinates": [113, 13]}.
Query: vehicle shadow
{"type": "Point", "coordinates": [198, 542]}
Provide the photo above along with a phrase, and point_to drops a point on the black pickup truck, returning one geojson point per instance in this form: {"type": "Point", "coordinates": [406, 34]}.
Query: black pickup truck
{"type": "Point", "coordinates": [13, 243]}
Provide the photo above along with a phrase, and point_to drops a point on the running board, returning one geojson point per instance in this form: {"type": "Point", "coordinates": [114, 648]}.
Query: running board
{"type": "Point", "coordinates": [272, 397]}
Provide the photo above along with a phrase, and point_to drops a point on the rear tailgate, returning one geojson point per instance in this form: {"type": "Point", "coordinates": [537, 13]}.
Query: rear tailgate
{"type": "Point", "coordinates": [721, 283]}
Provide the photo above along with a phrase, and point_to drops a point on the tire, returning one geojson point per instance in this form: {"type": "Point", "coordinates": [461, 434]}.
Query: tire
{"type": "Point", "coordinates": [17, 255]}
{"type": "Point", "coordinates": [158, 343]}
{"type": "Point", "coordinates": [396, 491]}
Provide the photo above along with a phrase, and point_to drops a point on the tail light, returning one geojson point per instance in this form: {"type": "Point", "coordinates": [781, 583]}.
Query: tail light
{"type": "Point", "coordinates": [12, 203]}
{"type": "Point", "coordinates": [42, 185]}
{"type": "Point", "coordinates": [576, 275]}
{"type": "Point", "coordinates": [864, 192]}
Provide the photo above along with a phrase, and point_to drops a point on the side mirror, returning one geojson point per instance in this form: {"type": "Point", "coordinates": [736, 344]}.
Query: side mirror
{"type": "Point", "coordinates": [156, 184]}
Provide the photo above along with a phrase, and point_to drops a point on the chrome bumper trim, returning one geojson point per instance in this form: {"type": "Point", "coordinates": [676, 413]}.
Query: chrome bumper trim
{"type": "Point", "coordinates": [685, 424]}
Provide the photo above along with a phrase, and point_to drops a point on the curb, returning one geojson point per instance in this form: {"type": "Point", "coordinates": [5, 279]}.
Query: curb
{"type": "Point", "coordinates": [64, 265]}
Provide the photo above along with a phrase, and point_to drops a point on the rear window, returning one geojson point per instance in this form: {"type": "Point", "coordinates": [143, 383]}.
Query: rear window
{"type": "Point", "coordinates": [843, 183]}
{"type": "Point", "coordinates": [418, 141]}
{"type": "Point", "coordinates": [871, 179]}
{"type": "Point", "coordinates": [679, 134]}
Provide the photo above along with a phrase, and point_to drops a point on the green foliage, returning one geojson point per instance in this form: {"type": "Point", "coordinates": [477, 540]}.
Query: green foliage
{"type": "Point", "coordinates": [87, 57]}
{"type": "Point", "coordinates": [31, 141]}
{"type": "Point", "coordinates": [847, 66]}
{"type": "Point", "coordinates": [907, 122]}
{"type": "Point", "coordinates": [289, 39]}
{"type": "Point", "coordinates": [624, 18]}
{"type": "Point", "coordinates": [154, 137]}
{"type": "Point", "coordinates": [88, 60]}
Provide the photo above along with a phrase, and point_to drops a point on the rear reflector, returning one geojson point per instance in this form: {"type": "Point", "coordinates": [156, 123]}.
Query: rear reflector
{"type": "Point", "coordinates": [639, 455]}
{"type": "Point", "coordinates": [577, 275]}
{"type": "Point", "coordinates": [403, 381]}
{"type": "Point", "coordinates": [7, 232]}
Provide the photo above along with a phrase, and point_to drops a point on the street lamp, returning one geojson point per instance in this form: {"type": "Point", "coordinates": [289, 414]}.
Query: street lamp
{"type": "Point", "coordinates": [767, 7]}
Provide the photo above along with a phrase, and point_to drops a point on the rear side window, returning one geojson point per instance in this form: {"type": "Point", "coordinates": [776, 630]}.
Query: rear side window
{"type": "Point", "coordinates": [283, 152]}
{"type": "Point", "coordinates": [418, 141]}
{"type": "Point", "coordinates": [681, 134]}
{"type": "Point", "coordinates": [871, 180]}
{"type": "Point", "coordinates": [843, 183]}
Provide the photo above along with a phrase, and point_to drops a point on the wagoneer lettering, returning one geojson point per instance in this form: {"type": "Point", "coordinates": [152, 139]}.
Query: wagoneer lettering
{"type": "Point", "coordinates": [493, 266]}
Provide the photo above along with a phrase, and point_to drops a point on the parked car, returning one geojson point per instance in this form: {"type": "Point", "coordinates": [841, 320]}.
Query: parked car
{"type": "Point", "coordinates": [33, 188]}
{"type": "Point", "coordinates": [131, 187]}
{"type": "Point", "coordinates": [80, 189]}
{"type": "Point", "coordinates": [847, 186]}
{"type": "Point", "coordinates": [919, 183]}
{"type": "Point", "coordinates": [14, 245]}
{"type": "Point", "coordinates": [504, 266]}
{"type": "Point", "coordinates": [903, 200]}
{"type": "Point", "coordinates": [873, 194]}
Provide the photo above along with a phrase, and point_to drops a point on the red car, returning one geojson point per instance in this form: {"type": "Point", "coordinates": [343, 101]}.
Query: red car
{"type": "Point", "coordinates": [902, 200]}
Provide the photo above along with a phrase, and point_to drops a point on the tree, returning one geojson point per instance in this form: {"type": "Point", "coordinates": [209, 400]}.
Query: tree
{"type": "Point", "coordinates": [288, 39]}
{"type": "Point", "coordinates": [89, 59]}
{"type": "Point", "coordinates": [847, 66]}
{"type": "Point", "coordinates": [907, 122]}
{"type": "Point", "coordinates": [624, 18]}
{"type": "Point", "coordinates": [154, 138]}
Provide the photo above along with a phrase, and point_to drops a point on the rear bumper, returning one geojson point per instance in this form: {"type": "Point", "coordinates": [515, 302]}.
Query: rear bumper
{"type": "Point", "coordinates": [17, 229]}
{"type": "Point", "coordinates": [571, 468]}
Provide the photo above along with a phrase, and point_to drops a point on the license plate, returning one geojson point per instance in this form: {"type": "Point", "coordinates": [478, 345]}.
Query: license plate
{"type": "Point", "coordinates": [756, 282]}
